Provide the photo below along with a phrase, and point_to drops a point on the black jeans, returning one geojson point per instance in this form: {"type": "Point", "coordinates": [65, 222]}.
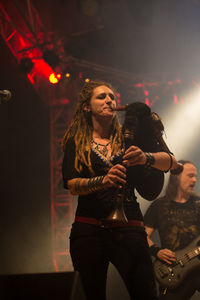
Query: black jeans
{"type": "Point", "coordinates": [127, 250]}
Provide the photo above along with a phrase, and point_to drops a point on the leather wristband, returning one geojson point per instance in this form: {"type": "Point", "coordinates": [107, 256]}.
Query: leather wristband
{"type": "Point", "coordinates": [95, 184]}
{"type": "Point", "coordinates": [153, 250]}
{"type": "Point", "coordinates": [150, 159]}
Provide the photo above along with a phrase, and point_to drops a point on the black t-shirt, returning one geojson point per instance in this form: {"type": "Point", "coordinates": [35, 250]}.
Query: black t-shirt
{"type": "Point", "coordinates": [178, 224]}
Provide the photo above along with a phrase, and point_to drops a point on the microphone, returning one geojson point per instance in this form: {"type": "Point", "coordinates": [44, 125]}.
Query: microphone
{"type": "Point", "coordinates": [5, 96]}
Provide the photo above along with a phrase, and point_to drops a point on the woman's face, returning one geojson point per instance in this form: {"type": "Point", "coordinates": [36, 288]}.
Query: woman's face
{"type": "Point", "coordinates": [102, 102]}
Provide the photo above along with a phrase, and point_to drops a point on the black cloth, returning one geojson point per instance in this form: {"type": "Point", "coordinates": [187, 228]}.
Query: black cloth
{"type": "Point", "coordinates": [147, 182]}
{"type": "Point", "coordinates": [178, 225]}
{"type": "Point", "coordinates": [93, 247]}
{"type": "Point", "coordinates": [126, 249]}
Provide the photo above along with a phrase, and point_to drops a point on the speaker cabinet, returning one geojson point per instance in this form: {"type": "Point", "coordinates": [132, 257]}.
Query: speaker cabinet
{"type": "Point", "coordinates": [58, 286]}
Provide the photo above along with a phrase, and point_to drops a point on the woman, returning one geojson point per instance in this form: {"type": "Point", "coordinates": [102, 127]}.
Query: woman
{"type": "Point", "coordinates": [96, 168]}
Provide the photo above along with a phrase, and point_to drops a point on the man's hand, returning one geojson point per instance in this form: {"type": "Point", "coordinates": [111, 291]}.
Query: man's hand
{"type": "Point", "coordinates": [166, 255]}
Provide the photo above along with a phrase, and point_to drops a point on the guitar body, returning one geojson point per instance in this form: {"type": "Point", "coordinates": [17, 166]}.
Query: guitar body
{"type": "Point", "coordinates": [187, 259]}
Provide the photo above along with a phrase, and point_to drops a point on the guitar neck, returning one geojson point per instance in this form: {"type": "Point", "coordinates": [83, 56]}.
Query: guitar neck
{"type": "Point", "coordinates": [193, 253]}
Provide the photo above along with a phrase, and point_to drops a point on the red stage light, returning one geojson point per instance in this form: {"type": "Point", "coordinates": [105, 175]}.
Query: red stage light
{"type": "Point", "coordinates": [175, 99]}
{"type": "Point", "coordinates": [53, 78]}
{"type": "Point", "coordinates": [147, 102]}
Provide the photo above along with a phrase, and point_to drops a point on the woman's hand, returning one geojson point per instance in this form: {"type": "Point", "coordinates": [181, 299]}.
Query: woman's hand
{"type": "Point", "coordinates": [166, 255]}
{"type": "Point", "coordinates": [134, 156]}
{"type": "Point", "coordinates": [116, 177]}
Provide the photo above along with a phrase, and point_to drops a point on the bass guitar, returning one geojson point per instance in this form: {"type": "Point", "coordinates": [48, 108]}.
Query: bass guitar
{"type": "Point", "coordinates": [187, 259]}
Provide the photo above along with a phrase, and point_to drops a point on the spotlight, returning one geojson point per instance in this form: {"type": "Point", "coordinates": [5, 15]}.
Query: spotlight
{"type": "Point", "coordinates": [70, 73]}
{"type": "Point", "coordinates": [26, 65]}
{"type": "Point", "coordinates": [67, 75]}
{"type": "Point", "coordinates": [51, 58]}
{"type": "Point", "coordinates": [54, 78]}
{"type": "Point", "coordinates": [87, 76]}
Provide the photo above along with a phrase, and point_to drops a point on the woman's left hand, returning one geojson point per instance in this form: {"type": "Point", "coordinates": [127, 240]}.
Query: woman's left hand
{"type": "Point", "coordinates": [134, 156]}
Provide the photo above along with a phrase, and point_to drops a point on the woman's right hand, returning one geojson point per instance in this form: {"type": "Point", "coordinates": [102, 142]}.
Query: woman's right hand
{"type": "Point", "coordinates": [116, 177]}
{"type": "Point", "coordinates": [166, 255]}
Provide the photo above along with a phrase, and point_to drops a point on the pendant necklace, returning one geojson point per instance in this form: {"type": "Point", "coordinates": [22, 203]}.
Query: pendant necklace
{"type": "Point", "coordinates": [100, 147]}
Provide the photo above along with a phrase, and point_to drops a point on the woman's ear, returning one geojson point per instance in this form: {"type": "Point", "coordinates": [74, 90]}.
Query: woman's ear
{"type": "Point", "coordinates": [86, 107]}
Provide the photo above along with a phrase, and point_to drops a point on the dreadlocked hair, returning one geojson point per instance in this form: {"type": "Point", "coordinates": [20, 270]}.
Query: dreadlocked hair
{"type": "Point", "coordinates": [81, 128]}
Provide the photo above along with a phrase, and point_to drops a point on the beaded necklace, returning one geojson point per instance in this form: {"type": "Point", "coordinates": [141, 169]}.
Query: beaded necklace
{"type": "Point", "coordinates": [103, 149]}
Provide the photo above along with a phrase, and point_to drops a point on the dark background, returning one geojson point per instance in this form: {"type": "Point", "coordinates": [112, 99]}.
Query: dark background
{"type": "Point", "coordinates": [138, 36]}
{"type": "Point", "coordinates": [24, 179]}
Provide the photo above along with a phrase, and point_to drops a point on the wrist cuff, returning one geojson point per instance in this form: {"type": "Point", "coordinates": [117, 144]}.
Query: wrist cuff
{"type": "Point", "coordinates": [171, 162]}
{"type": "Point", "coordinates": [95, 184]}
{"type": "Point", "coordinates": [153, 250]}
{"type": "Point", "coordinates": [150, 159]}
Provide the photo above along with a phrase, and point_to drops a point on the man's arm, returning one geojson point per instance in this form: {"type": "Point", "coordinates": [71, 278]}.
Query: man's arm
{"type": "Point", "coordinates": [163, 254]}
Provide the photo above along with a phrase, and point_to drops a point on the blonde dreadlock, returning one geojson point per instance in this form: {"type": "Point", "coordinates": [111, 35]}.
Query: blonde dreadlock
{"type": "Point", "coordinates": [81, 128]}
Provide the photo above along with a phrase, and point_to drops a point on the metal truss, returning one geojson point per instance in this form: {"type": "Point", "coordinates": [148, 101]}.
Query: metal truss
{"type": "Point", "coordinates": [24, 34]}
{"type": "Point", "coordinates": [62, 203]}
{"type": "Point", "coordinates": [21, 27]}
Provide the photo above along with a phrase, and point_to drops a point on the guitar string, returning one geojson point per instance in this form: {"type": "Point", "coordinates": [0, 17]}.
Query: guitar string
{"type": "Point", "coordinates": [192, 252]}
{"type": "Point", "coordinates": [185, 256]}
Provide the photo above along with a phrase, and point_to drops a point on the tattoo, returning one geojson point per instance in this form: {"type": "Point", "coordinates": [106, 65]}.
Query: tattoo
{"type": "Point", "coordinates": [86, 186]}
{"type": "Point", "coordinates": [77, 185]}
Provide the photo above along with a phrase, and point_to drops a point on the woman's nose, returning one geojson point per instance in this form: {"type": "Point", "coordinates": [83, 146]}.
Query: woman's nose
{"type": "Point", "coordinates": [108, 99]}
